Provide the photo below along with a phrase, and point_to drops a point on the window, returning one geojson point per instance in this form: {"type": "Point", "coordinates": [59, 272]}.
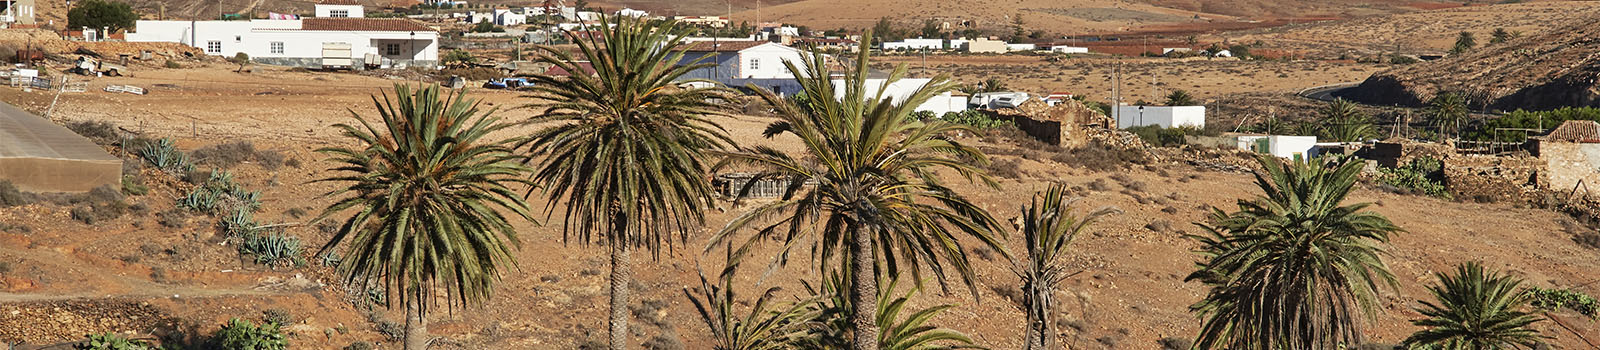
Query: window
{"type": "Point", "coordinates": [275, 47]}
{"type": "Point", "coordinates": [214, 46]}
{"type": "Point", "coordinates": [237, 38]}
{"type": "Point", "coordinates": [391, 49]}
{"type": "Point", "coordinates": [339, 13]}
{"type": "Point", "coordinates": [755, 63]}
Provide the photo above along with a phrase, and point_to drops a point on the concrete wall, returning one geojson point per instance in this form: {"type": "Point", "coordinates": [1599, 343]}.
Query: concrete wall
{"type": "Point", "coordinates": [1069, 49]}
{"type": "Point", "coordinates": [1281, 146]}
{"type": "Point", "coordinates": [986, 46]}
{"type": "Point", "coordinates": [913, 44]}
{"type": "Point", "coordinates": [1570, 163]}
{"type": "Point", "coordinates": [1162, 116]}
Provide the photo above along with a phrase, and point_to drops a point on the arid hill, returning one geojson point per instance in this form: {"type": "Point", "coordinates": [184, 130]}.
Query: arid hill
{"type": "Point", "coordinates": [1549, 70]}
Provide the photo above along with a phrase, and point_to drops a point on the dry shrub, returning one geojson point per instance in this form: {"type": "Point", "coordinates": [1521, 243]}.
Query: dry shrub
{"type": "Point", "coordinates": [102, 133]}
{"type": "Point", "coordinates": [10, 196]}
{"type": "Point", "coordinates": [1158, 226]}
{"type": "Point", "coordinates": [1099, 185]}
{"type": "Point", "coordinates": [227, 155]}
{"type": "Point", "coordinates": [1005, 168]}
{"type": "Point", "coordinates": [663, 342]}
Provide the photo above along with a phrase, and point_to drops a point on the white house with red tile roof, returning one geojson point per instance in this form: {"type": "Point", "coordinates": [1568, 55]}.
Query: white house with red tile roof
{"type": "Point", "coordinates": [316, 42]}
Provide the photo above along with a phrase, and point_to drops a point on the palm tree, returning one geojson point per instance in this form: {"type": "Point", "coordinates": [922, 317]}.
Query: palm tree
{"type": "Point", "coordinates": [1344, 122]}
{"type": "Point", "coordinates": [1180, 98]}
{"type": "Point", "coordinates": [832, 308]}
{"type": "Point", "coordinates": [1292, 269]}
{"type": "Point", "coordinates": [1464, 42]}
{"type": "Point", "coordinates": [1476, 310]}
{"type": "Point", "coordinates": [763, 328]}
{"type": "Point", "coordinates": [625, 149]}
{"type": "Point", "coordinates": [994, 85]}
{"type": "Point", "coordinates": [1447, 110]}
{"type": "Point", "coordinates": [877, 205]}
{"type": "Point", "coordinates": [426, 184]}
{"type": "Point", "coordinates": [1048, 228]}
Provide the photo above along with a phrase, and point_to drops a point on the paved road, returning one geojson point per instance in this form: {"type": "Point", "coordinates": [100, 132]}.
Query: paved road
{"type": "Point", "coordinates": [1327, 92]}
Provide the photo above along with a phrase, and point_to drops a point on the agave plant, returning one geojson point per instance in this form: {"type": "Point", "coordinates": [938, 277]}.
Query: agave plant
{"type": "Point", "coordinates": [274, 249]}
{"type": "Point", "coordinates": [163, 154]}
{"type": "Point", "coordinates": [764, 327]}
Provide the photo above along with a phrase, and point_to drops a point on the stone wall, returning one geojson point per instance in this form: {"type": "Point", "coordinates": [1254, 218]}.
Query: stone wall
{"type": "Point", "coordinates": [1495, 179]}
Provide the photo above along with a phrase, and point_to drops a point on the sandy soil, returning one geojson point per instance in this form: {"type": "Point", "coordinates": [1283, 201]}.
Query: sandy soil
{"type": "Point", "coordinates": [1131, 295]}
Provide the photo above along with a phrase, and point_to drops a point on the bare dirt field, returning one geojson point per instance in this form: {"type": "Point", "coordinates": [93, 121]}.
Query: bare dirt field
{"type": "Point", "coordinates": [1131, 295]}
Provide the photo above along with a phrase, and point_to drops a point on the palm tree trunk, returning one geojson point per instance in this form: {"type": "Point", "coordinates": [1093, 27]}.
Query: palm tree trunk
{"type": "Point", "coordinates": [416, 326]}
{"type": "Point", "coordinates": [863, 292]}
{"type": "Point", "coordinates": [620, 276]}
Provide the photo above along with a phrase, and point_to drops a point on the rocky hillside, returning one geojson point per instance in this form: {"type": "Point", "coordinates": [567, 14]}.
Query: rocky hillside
{"type": "Point", "coordinates": [1538, 71]}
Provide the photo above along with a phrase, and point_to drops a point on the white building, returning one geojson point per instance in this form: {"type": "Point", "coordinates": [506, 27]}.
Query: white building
{"type": "Point", "coordinates": [913, 44]}
{"type": "Point", "coordinates": [309, 42]}
{"type": "Point", "coordinates": [1069, 49]}
{"type": "Point", "coordinates": [628, 12]}
{"type": "Point", "coordinates": [476, 17]}
{"type": "Point", "coordinates": [900, 89]}
{"type": "Point", "coordinates": [506, 17]}
{"type": "Point", "coordinates": [1288, 147]}
{"type": "Point", "coordinates": [1004, 99]}
{"type": "Point", "coordinates": [18, 12]}
{"type": "Point", "coordinates": [741, 63]}
{"type": "Point", "coordinates": [1021, 47]}
{"type": "Point", "coordinates": [340, 9]}
{"type": "Point", "coordinates": [984, 45]}
{"type": "Point", "coordinates": [1161, 116]}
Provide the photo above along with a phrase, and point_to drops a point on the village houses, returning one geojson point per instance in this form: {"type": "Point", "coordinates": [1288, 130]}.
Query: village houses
{"type": "Point", "coordinates": [339, 37]}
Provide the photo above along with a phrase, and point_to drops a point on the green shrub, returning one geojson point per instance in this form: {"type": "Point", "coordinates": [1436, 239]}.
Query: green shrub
{"type": "Point", "coordinates": [974, 118]}
{"type": "Point", "coordinates": [164, 155]}
{"type": "Point", "coordinates": [1521, 119]}
{"type": "Point", "coordinates": [278, 316]}
{"type": "Point", "coordinates": [242, 335]}
{"type": "Point", "coordinates": [132, 187]}
{"type": "Point", "coordinates": [1423, 175]}
{"type": "Point", "coordinates": [273, 249]}
{"type": "Point", "coordinates": [359, 345]}
{"type": "Point", "coordinates": [1558, 299]}
{"type": "Point", "coordinates": [112, 341]}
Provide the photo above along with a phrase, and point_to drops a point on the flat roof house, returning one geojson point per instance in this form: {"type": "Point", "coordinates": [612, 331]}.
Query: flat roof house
{"type": "Point", "coordinates": [320, 42]}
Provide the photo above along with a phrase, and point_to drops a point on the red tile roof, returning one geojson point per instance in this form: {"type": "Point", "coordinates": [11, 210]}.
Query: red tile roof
{"type": "Point", "coordinates": [1585, 131]}
{"type": "Point", "coordinates": [364, 24]}
{"type": "Point", "coordinates": [722, 46]}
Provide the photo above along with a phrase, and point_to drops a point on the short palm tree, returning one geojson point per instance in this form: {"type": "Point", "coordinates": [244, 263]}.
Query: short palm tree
{"type": "Point", "coordinates": [1180, 98]}
{"type": "Point", "coordinates": [877, 205]}
{"type": "Point", "coordinates": [1048, 228]}
{"type": "Point", "coordinates": [426, 185]}
{"type": "Point", "coordinates": [765, 327]}
{"type": "Point", "coordinates": [625, 149]}
{"type": "Point", "coordinates": [1345, 122]}
{"type": "Point", "coordinates": [831, 308]}
{"type": "Point", "coordinates": [1295, 269]}
{"type": "Point", "coordinates": [1476, 310]}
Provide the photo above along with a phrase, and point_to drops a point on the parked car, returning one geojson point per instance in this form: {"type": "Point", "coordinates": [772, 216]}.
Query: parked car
{"type": "Point", "coordinates": [507, 83]}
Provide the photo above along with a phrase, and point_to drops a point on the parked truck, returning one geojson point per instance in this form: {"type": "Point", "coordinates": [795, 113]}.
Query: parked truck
{"type": "Point", "coordinates": [91, 66]}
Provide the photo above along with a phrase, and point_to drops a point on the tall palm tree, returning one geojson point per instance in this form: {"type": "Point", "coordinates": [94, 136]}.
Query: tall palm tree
{"type": "Point", "coordinates": [624, 148]}
{"type": "Point", "coordinates": [1446, 111]}
{"type": "Point", "coordinates": [426, 185]}
{"type": "Point", "coordinates": [1292, 269]}
{"type": "Point", "coordinates": [1345, 122]}
{"type": "Point", "coordinates": [1048, 228]}
{"type": "Point", "coordinates": [1476, 310]}
{"type": "Point", "coordinates": [877, 205]}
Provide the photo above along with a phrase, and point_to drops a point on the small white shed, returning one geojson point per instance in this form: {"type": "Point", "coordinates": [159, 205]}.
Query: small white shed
{"type": "Point", "coordinates": [1288, 147]}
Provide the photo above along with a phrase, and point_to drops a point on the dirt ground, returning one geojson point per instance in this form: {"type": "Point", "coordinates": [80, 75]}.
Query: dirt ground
{"type": "Point", "coordinates": [1131, 294]}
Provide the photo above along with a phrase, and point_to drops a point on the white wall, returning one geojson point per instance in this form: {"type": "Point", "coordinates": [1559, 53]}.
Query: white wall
{"type": "Point", "coordinates": [770, 59]}
{"type": "Point", "coordinates": [1069, 49]}
{"type": "Point", "coordinates": [254, 38]}
{"type": "Point", "coordinates": [1162, 116]}
{"type": "Point", "coordinates": [1021, 47]}
{"type": "Point", "coordinates": [914, 44]}
{"type": "Point", "coordinates": [355, 11]}
{"type": "Point", "coordinates": [901, 89]}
